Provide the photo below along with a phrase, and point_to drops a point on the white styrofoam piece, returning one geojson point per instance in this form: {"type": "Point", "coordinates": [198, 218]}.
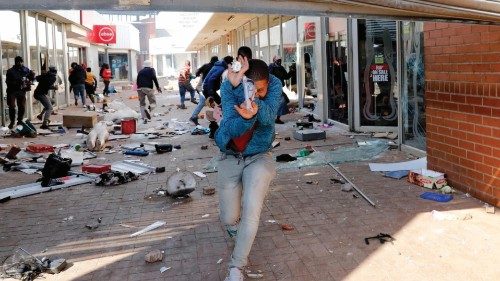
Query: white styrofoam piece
{"type": "Point", "coordinates": [420, 163]}
{"type": "Point", "coordinates": [35, 188]}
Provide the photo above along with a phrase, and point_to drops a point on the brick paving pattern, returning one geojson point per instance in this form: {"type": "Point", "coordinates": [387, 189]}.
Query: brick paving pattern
{"type": "Point", "coordinates": [326, 243]}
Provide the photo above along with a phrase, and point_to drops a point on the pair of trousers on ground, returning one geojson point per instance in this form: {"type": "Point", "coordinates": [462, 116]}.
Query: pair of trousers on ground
{"type": "Point", "coordinates": [150, 94]}
{"type": "Point", "coordinates": [18, 98]}
{"type": "Point", "coordinates": [243, 184]}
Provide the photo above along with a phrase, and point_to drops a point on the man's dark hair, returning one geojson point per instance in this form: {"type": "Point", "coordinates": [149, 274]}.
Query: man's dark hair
{"type": "Point", "coordinates": [214, 59]}
{"type": "Point", "coordinates": [89, 69]}
{"type": "Point", "coordinates": [73, 64]}
{"type": "Point", "coordinates": [18, 59]}
{"type": "Point", "coordinates": [228, 59]}
{"type": "Point", "coordinates": [245, 52]}
{"type": "Point", "coordinates": [257, 70]}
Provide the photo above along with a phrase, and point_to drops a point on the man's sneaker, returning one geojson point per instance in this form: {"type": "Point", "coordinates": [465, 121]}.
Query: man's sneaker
{"type": "Point", "coordinates": [235, 274]}
{"type": "Point", "coordinates": [39, 116]}
{"type": "Point", "coordinates": [76, 103]}
{"type": "Point", "coordinates": [11, 125]}
{"type": "Point", "coordinates": [194, 120]}
{"type": "Point", "coordinates": [194, 101]}
{"type": "Point", "coordinates": [182, 106]}
{"type": "Point", "coordinates": [232, 233]}
{"type": "Point", "coordinates": [147, 114]}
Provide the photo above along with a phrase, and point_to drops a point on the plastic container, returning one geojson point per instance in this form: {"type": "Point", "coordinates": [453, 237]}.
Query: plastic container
{"type": "Point", "coordinates": [438, 197]}
{"type": "Point", "coordinates": [137, 152]}
{"type": "Point", "coordinates": [128, 126]}
{"type": "Point", "coordinates": [96, 169]}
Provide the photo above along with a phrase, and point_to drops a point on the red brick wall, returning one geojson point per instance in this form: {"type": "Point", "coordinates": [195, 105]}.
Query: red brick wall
{"type": "Point", "coordinates": [462, 71]}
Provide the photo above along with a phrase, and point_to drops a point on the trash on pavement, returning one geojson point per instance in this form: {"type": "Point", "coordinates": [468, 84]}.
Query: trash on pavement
{"type": "Point", "coordinates": [386, 135]}
{"type": "Point", "coordinates": [208, 191]}
{"type": "Point", "coordinates": [255, 275]}
{"type": "Point", "coordinates": [219, 261]}
{"type": "Point", "coordinates": [285, 158]}
{"type": "Point", "coordinates": [381, 237]}
{"type": "Point", "coordinates": [162, 148]}
{"type": "Point", "coordinates": [94, 225]}
{"type": "Point", "coordinates": [441, 216]}
{"type": "Point", "coordinates": [24, 266]}
{"type": "Point", "coordinates": [55, 167]}
{"type": "Point", "coordinates": [275, 144]}
{"type": "Point", "coordinates": [98, 136]}
{"type": "Point", "coordinates": [14, 150]}
{"type": "Point", "coordinates": [40, 148]}
{"type": "Point", "coordinates": [118, 111]}
{"type": "Point", "coordinates": [164, 268]}
{"type": "Point", "coordinates": [204, 147]}
{"type": "Point", "coordinates": [180, 184]}
{"type": "Point", "coordinates": [136, 152]}
{"type": "Point", "coordinates": [346, 187]}
{"type": "Point", "coordinates": [96, 169]}
{"type": "Point", "coordinates": [427, 178]}
{"type": "Point", "coordinates": [396, 174]}
{"type": "Point", "coordinates": [420, 163]}
{"type": "Point", "coordinates": [309, 135]}
{"type": "Point", "coordinates": [200, 174]}
{"type": "Point", "coordinates": [287, 227]}
{"type": "Point", "coordinates": [205, 216]}
{"type": "Point", "coordinates": [115, 178]}
{"type": "Point", "coordinates": [200, 130]}
{"type": "Point", "coordinates": [76, 157]}
{"type": "Point", "coordinates": [436, 197]}
{"type": "Point", "coordinates": [153, 256]}
{"type": "Point", "coordinates": [489, 209]}
{"type": "Point", "coordinates": [148, 228]}
{"type": "Point", "coordinates": [135, 167]}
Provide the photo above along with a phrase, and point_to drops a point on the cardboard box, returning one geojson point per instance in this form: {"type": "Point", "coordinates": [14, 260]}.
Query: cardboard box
{"type": "Point", "coordinates": [79, 119]}
{"type": "Point", "coordinates": [427, 178]}
{"type": "Point", "coordinates": [309, 135]}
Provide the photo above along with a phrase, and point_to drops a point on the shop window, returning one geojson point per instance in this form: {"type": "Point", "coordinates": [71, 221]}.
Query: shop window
{"type": "Point", "coordinates": [119, 66]}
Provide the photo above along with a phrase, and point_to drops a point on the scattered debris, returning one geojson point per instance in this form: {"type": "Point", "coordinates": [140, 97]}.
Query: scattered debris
{"type": "Point", "coordinates": [208, 191]}
{"type": "Point", "coordinates": [255, 275]}
{"type": "Point", "coordinates": [312, 182]}
{"type": "Point", "coordinates": [200, 174]}
{"type": "Point", "coordinates": [160, 170]}
{"type": "Point", "coordinates": [436, 197]}
{"type": "Point", "coordinates": [309, 135]}
{"type": "Point", "coordinates": [427, 178]}
{"type": "Point", "coordinates": [153, 256]}
{"type": "Point", "coordinates": [441, 216]}
{"type": "Point", "coordinates": [219, 261]}
{"type": "Point", "coordinates": [396, 174]}
{"type": "Point", "coordinates": [94, 225]}
{"type": "Point", "coordinates": [382, 238]}
{"type": "Point", "coordinates": [287, 138]}
{"type": "Point", "coordinates": [408, 165]}
{"type": "Point", "coordinates": [275, 144]}
{"type": "Point", "coordinates": [163, 148]}
{"type": "Point", "coordinates": [489, 209]}
{"type": "Point", "coordinates": [24, 266]}
{"type": "Point", "coordinates": [285, 158]}
{"type": "Point", "coordinates": [271, 221]}
{"type": "Point", "coordinates": [98, 136]}
{"type": "Point", "coordinates": [135, 167]}
{"type": "Point", "coordinates": [180, 184]}
{"type": "Point", "coordinates": [352, 184]}
{"type": "Point", "coordinates": [205, 216]}
{"type": "Point", "coordinates": [149, 228]}
{"type": "Point", "coordinates": [40, 148]}
{"type": "Point", "coordinates": [96, 169]}
{"type": "Point", "coordinates": [164, 268]}
{"type": "Point", "coordinates": [346, 187]}
{"type": "Point", "coordinates": [386, 135]}
{"type": "Point", "coordinates": [204, 147]}
{"type": "Point", "coordinates": [287, 227]}
{"type": "Point", "coordinates": [70, 218]}
{"type": "Point", "coordinates": [336, 180]}
{"type": "Point", "coordinates": [115, 178]}
{"type": "Point", "coordinates": [178, 146]}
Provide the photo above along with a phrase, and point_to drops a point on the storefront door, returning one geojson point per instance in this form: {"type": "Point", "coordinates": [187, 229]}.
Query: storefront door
{"type": "Point", "coordinates": [376, 91]}
{"type": "Point", "coordinates": [308, 92]}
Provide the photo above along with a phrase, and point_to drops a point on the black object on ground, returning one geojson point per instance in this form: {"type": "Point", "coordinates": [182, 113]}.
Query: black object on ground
{"type": "Point", "coordinates": [305, 125]}
{"type": "Point", "coordinates": [285, 158]}
{"type": "Point", "coordinates": [287, 138]}
{"type": "Point", "coordinates": [177, 146]}
{"type": "Point", "coordinates": [162, 148]}
{"type": "Point", "coordinates": [115, 178]}
{"type": "Point", "coordinates": [311, 118]}
{"type": "Point", "coordinates": [160, 169]}
{"type": "Point", "coordinates": [55, 167]}
{"type": "Point", "coordinates": [382, 237]}
{"type": "Point", "coordinates": [204, 147]}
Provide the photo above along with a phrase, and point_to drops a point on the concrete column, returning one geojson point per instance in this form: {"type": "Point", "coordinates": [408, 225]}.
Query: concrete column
{"type": "Point", "coordinates": [322, 67]}
{"type": "Point", "coordinates": [129, 58]}
{"type": "Point", "coordinates": [65, 62]}
{"type": "Point", "coordinates": [27, 59]}
{"type": "Point", "coordinates": [2, 90]}
{"type": "Point", "coordinates": [268, 41]}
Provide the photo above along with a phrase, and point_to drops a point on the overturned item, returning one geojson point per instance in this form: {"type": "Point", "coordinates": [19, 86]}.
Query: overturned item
{"type": "Point", "coordinates": [36, 188]}
{"type": "Point", "coordinates": [25, 129]}
{"type": "Point", "coordinates": [285, 158]}
{"type": "Point", "coordinates": [180, 184]}
{"type": "Point", "coordinates": [427, 178]}
{"type": "Point", "coordinates": [309, 135]}
{"type": "Point", "coordinates": [153, 256]}
{"type": "Point", "coordinates": [55, 167]}
{"type": "Point", "coordinates": [115, 178]}
{"type": "Point", "coordinates": [97, 138]}
{"type": "Point", "coordinates": [162, 148]}
{"type": "Point", "coordinates": [150, 227]}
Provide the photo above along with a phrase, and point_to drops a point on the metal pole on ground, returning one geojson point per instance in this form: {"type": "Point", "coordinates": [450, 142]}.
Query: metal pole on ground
{"type": "Point", "coordinates": [353, 185]}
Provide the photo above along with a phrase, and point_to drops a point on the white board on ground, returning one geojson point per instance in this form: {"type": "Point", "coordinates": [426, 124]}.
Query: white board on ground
{"type": "Point", "coordinates": [420, 163]}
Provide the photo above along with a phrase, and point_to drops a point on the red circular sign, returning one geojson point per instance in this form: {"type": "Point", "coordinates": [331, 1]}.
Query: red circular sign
{"type": "Point", "coordinates": [106, 34]}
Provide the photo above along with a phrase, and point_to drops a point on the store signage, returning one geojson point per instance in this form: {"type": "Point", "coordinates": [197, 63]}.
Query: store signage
{"type": "Point", "coordinates": [379, 72]}
{"type": "Point", "coordinates": [104, 34]}
{"type": "Point", "coordinates": [309, 31]}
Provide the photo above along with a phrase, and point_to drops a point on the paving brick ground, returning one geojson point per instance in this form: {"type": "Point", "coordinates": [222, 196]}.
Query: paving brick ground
{"type": "Point", "coordinates": [326, 244]}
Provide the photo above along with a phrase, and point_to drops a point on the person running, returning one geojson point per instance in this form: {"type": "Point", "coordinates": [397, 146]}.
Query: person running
{"type": "Point", "coordinates": [145, 79]}
{"type": "Point", "coordinates": [77, 78]}
{"type": "Point", "coordinates": [45, 83]}
{"type": "Point", "coordinates": [279, 72]}
{"type": "Point", "coordinates": [211, 83]}
{"type": "Point", "coordinates": [90, 84]}
{"type": "Point", "coordinates": [202, 73]}
{"type": "Point", "coordinates": [106, 76]}
{"type": "Point", "coordinates": [185, 84]}
{"type": "Point", "coordinates": [246, 166]}
{"type": "Point", "coordinates": [18, 79]}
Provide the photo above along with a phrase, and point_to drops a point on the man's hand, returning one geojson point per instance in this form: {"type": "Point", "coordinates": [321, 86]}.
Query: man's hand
{"type": "Point", "coordinates": [245, 112]}
{"type": "Point", "coordinates": [236, 77]}
{"type": "Point", "coordinates": [159, 90]}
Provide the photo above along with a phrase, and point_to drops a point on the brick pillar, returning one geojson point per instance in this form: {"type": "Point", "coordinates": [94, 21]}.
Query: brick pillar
{"type": "Point", "coordinates": [462, 71]}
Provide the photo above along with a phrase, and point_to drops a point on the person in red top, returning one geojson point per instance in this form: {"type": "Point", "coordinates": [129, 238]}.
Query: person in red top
{"type": "Point", "coordinates": [185, 84]}
{"type": "Point", "coordinates": [106, 76]}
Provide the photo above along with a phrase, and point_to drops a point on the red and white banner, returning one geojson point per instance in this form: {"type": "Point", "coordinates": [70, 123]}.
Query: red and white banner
{"type": "Point", "coordinates": [309, 31]}
{"type": "Point", "coordinates": [104, 34]}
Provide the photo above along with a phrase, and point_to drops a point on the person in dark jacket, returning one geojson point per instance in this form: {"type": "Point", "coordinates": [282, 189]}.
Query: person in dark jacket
{"type": "Point", "coordinates": [279, 72]}
{"type": "Point", "coordinates": [211, 83]}
{"type": "Point", "coordinates": [45, 83]}
{"type": "Point", "coordinates": [145, 79]}
{"type": "Point", "coordinates": [18, 79]}
{"type": "Point", "coordinates": [202, 73]}
{"type": "Point", "coordinates": [76, 79]}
